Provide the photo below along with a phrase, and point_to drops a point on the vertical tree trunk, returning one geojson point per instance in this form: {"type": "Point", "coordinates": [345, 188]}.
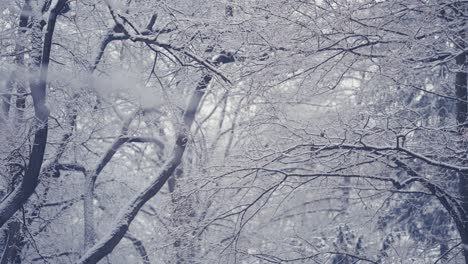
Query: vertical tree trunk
{"type": "Point", "coordinates": [13, 241]}
{"type": "Point", "coordinates": [182, 215]}
{"type": "Point", "coordinates": [19, 61]}
{"type": "Point", "coordinates": [461, 116]}
{"type": "Point", "coordinates": [10, 253]}
{"type": "Point", "coordinates": [88, 207]}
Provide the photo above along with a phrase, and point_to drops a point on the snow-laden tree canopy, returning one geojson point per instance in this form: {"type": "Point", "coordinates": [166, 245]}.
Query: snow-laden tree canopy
{"type": "Point", "coordinates": [235, 131]}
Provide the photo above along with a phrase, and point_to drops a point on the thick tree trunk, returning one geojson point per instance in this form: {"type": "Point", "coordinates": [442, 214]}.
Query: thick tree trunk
{"type": "Point", "coordinates": [461, 116]}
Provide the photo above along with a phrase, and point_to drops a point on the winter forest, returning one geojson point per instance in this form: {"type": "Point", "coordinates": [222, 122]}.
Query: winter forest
{"type": "Point", "coordinates": [233, 131]}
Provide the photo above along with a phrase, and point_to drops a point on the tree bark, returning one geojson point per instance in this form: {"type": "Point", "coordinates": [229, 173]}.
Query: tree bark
{"type": "Point", "coordinates": [182, 214]}
{"type": "Point", "coordinates": [10, 252]}
{"type": "Point", "coordinates": [461, 117]}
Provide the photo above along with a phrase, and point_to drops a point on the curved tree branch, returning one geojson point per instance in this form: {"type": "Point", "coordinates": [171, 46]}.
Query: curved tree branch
{"type": "Point", "coordinates": [38, 91]}
{"type": "Point", "coordinates": [128, 213]}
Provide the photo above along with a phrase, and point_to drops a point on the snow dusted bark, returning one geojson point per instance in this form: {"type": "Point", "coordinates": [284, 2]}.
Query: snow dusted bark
{"type": "Point", "coordinates": [88, 213]}
{"type": "Point", "coordinates": [128, 213]}
{"type": "Point", "coordinates": [182, 214]}
{"type": "Point", "coordinates": [461, 115]}
{"type": "Point", "coordinates": [38, 91]}
{"type": "Point", "coordinates": [461, 90]}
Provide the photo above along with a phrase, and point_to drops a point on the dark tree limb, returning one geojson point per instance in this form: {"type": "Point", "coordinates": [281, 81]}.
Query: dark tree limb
{"type": "Point", "coordinates": [91, 177]}
{"type": "Point", "coordinates": [139, 247]}
{"type": "Point", "coordinates": [20, 195]}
